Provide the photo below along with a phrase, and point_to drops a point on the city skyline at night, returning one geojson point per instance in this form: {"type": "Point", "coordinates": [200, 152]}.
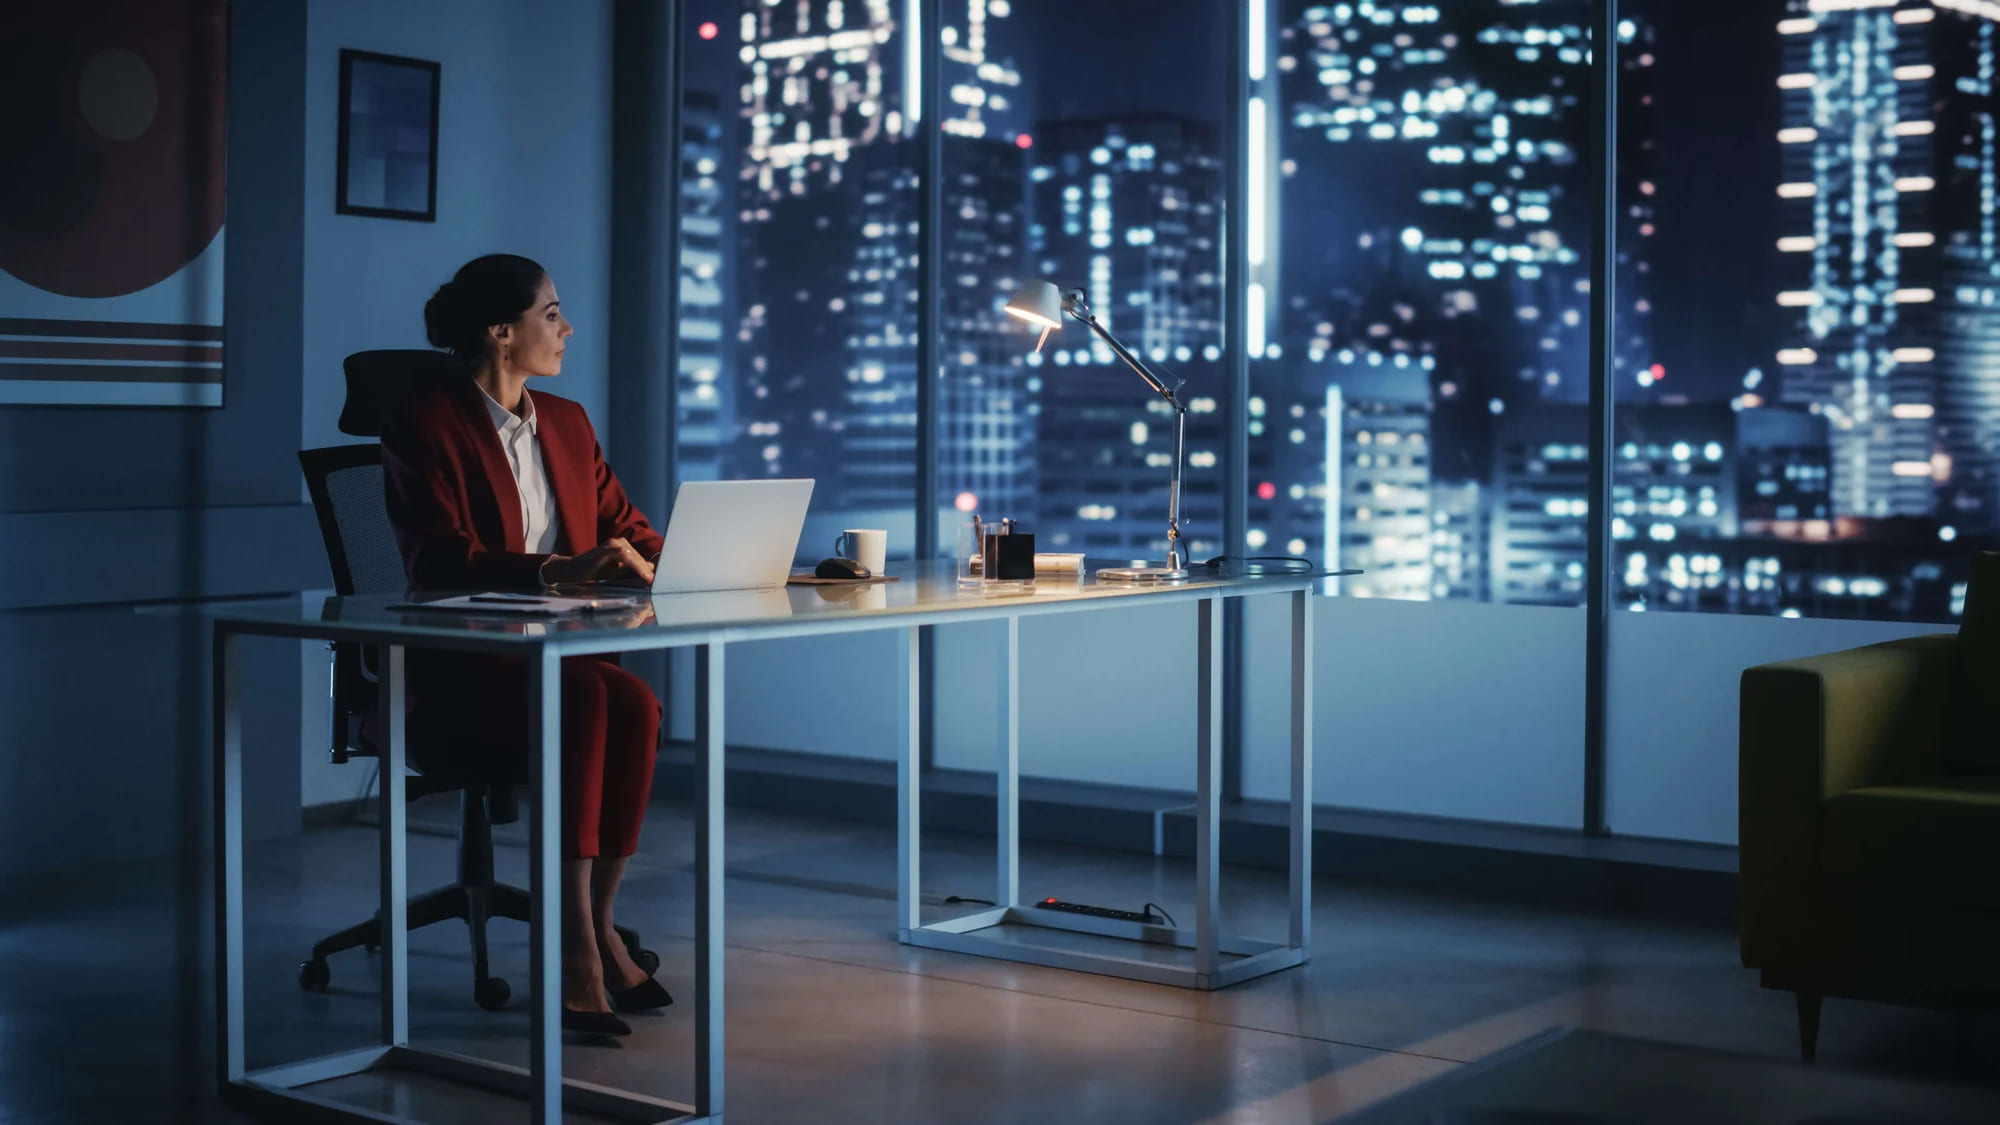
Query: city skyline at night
{"type": "Point", "coordinates": [1424, 279]}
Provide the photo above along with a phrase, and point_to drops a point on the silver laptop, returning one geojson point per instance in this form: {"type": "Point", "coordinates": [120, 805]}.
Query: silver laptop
{"type": "Point", "coordinates": [732, 535]}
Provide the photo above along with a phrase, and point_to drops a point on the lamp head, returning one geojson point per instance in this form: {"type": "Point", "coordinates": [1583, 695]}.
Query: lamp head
{"type": "Point", "coordinates": [1037, 302]}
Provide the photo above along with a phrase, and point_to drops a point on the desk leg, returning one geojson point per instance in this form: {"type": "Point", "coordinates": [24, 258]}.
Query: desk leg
{"type": "Point", "coordinates": [1208, 790]}
{"type": "Point", "coordinates": [545, 889]}
{"type": "Point", "coordinates": [909, 784]}
{"type": "Point", "coordinates": [1302, 764]}
{"type": "Point", "coordinates": [228, 860]}
{"type": "Point", "coordinates": [708, 855]}
{"type": "Point", "coordinates": [395, 933]}
{"type": "Point", "coordinates": [1007, 787]}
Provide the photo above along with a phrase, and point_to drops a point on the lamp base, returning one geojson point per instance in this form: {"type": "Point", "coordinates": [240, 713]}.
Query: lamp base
{"type": "Point", "coordinates": [1143, 574]}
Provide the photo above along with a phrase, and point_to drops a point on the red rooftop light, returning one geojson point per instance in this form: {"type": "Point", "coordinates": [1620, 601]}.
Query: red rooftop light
{"type": "Point", "coordinates": [1023, 140]}
{"type": "Point", "coordinates": [708, 30]}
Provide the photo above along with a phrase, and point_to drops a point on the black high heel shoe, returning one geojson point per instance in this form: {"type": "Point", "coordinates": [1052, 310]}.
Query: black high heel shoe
{"type": "Point", "coordinates": [594, 1023]}
{"type": "Point", "coordinates": [646, 996]}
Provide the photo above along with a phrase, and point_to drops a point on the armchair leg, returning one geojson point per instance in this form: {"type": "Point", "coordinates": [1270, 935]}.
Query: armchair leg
{"type": "Point", "coordinates": [1809, 1006]}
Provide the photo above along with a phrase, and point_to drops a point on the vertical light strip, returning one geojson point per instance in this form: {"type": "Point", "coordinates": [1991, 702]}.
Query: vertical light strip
{"type": "Point", "coordinates": [1253, 320]}
{"type": "Point", "coordinates": [913, 64]}
{"type": "Point", "coordinates": [1335, 417]}
{"type": "Point", "coordinates": [1254, 237]}
{"type": "Point", "coordinates": [1257, 39]}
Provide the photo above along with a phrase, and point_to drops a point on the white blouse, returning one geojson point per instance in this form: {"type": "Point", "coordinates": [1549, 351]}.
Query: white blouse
{"type": "Point", "coordinates": [524, 456]}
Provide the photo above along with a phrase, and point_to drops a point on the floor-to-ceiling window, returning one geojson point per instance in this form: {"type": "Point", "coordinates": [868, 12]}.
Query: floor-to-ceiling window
{"type": "Point", "coordinates": [1419, 312]}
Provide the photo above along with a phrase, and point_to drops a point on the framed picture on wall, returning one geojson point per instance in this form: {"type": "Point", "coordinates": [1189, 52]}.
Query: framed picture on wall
{"type": "Point", "coordinates": [388, 137]}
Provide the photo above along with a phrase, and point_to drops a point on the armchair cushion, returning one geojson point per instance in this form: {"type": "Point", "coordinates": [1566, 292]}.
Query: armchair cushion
{"type": "Point", "coordinates": [1974, 746]}
{"type": "Point", "coordinates": [1929, 843]}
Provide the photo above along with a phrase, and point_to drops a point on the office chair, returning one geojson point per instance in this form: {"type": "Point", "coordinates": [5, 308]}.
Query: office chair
{"type": "Point", "coordinates": [345, 482]}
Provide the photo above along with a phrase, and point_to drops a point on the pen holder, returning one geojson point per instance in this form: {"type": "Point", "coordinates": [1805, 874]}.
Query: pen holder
{"type": "Point", "coordinates": [993, 558]}
{"type": "Point", "coordinates": [1009, 557]}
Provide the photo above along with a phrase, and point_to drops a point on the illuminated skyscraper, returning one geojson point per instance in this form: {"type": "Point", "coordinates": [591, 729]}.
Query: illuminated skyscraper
{"type": "Point", "coordinates": [1440, 151]}
{"type": "Point", "coordinates": [1128, 210]}
{"type": "Point", "coordinates": [1471, 120]}
{"type": "Point", "coordinates": [827, 201]}
{"type": "Point", "coordinates": [823, 79]}
{"type": "Point", "coordinates": [1888, 188]}
{"type": "Point", "coordinates": [1378, 479]}
{"type": "Point", "coordinates": [1674, 476]}
{"type": "Point", "coordinates": [704, 390]}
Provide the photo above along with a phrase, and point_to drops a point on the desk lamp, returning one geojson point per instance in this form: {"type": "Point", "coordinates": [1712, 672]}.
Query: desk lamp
{"type": "Point", "coordinates": [1041, 304]}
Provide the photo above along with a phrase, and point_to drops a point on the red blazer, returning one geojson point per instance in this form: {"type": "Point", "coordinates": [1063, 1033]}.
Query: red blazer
{"type": "Point", "coordinates": [454, 505]}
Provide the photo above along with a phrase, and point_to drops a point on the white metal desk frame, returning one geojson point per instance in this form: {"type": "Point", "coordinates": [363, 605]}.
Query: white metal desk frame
{"type": "Point", "coordinates": [282, 1089]}
{"type": "Point", "coordinates": [1248, 958]}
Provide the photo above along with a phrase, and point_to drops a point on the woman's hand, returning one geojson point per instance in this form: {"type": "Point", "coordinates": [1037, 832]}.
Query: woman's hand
{"type": "Point", "coordinates": [611, 559]}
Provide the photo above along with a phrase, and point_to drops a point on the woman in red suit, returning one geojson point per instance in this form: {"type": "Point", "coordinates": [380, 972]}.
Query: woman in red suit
{"type": "Point", "coordinates": [491, 487]}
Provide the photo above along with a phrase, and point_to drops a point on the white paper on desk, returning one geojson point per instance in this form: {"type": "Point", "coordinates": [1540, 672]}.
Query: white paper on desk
{"type": "Point", "coordinates": [530, 604]}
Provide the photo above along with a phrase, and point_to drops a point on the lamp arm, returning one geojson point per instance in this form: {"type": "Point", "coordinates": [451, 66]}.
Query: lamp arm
{"type": "Point", "coordinates": [1074, 305]}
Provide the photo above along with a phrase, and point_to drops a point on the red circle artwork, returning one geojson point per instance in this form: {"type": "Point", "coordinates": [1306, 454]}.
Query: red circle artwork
{"type": "Point", "coordinates": [111, 157]}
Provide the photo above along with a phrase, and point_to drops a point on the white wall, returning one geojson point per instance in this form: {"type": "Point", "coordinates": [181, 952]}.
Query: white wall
{"type": "Point", "coordinates": [1671, 755]}
{"type": "Point", "coordinates": [524, 167]}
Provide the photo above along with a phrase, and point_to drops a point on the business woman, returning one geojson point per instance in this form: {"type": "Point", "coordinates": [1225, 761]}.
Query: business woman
{"type": "Point", "coordinates": [491, 486]}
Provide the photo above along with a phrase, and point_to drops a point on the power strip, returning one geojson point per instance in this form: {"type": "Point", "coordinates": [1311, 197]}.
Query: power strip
{"type": "Point", "coordinates": [1093, 911]}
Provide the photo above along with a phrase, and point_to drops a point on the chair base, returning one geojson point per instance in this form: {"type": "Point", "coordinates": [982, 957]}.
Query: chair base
{"type": "Point", "coordinates": [472, 904]}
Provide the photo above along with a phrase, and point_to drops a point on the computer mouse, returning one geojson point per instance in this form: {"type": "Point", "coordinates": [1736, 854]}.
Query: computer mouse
{"type": "Point", "coordinates": [837, 567]}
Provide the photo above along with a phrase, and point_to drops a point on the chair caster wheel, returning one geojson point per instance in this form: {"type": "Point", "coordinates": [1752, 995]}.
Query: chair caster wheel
{"type": "Point", "coordinates": [491, 993]}
{"type": "Point", "coordinates": [314, 975]}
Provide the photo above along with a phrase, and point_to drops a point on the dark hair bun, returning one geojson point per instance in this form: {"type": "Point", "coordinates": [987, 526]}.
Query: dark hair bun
{"type": "Point", "coordinates": [442, 319]}
{"type": "Point", "coordinates": [490, 290]}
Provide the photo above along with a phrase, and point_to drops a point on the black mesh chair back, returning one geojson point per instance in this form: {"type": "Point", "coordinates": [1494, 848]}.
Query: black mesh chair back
{"type": "Point", "coordinates": [346, 486]}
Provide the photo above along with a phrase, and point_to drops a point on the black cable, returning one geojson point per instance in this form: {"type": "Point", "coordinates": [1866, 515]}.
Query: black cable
{"type": "Point", "coordinates": [1294, 564]}
{"type": "Point", "coordinates": [953, 900]}
{"type": "Point", "coordinates": [1151, 908]}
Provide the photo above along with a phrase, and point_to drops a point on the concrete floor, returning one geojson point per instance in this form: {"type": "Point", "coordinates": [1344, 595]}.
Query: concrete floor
{"type": "Point", "coordinates": [105, 997]}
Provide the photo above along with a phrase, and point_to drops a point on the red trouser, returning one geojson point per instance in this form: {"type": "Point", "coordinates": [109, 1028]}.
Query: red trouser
{"type": "Point", "coordinates": [474, 716]}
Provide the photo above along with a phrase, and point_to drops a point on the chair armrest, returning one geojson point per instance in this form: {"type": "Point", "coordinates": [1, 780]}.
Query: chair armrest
{"type": "Point", "coordinates": [1808, 731]}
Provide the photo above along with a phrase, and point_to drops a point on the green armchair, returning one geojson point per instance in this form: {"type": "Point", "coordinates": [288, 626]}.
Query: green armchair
{"type": "Point", "coordinates": [1870, 821]}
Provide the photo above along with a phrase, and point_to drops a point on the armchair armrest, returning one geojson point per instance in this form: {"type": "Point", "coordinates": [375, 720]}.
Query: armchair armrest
{"type": "Point", "coordinates": [1808, 731]}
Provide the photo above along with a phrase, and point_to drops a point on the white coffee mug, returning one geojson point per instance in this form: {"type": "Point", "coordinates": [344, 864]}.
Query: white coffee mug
{"type": "Point", "coordinates": [867, 546]}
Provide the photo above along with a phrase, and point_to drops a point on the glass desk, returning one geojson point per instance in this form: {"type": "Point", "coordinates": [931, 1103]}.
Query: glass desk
{"type": "Point", "coordinates": [924, 595]}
